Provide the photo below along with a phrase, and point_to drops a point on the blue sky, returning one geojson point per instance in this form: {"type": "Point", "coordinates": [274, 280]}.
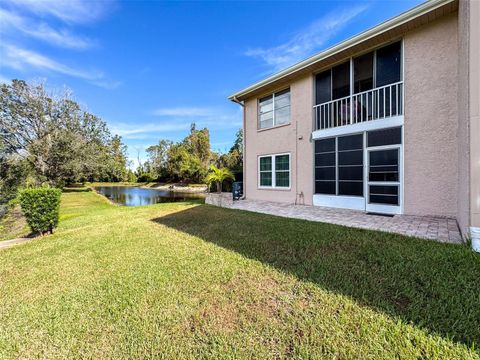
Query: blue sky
{"type": "Point", "coordinates": [151, 68]}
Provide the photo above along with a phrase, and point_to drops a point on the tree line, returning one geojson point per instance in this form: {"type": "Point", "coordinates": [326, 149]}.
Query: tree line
{"type": "Point", "coordinates": [189, 160]}
{"type": "Point", "coordinates": [51, 139]}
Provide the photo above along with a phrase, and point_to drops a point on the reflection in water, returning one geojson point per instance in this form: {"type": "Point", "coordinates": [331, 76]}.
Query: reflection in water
{"type": "Point", "coordinates": [135, 196]}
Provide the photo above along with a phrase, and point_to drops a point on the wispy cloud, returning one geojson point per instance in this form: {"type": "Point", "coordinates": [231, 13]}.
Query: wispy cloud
{"type": "Point", "coordinates": [184, 111]}
{"type": "Point", "coordinates": [18, 58]}
{"type": "Point", "coordinates": [52, 22]}
{"type": "Point", "coordinates": [308, 40]}
{"type": "Point", "coordinates": [180, 119]}
{"type": "Point", "coordinates": [22, 59]}
{"type": "Point", "coordinates": [133, 131]}
{"type": "Point", "coordinates": [68, 11]}
{"type": "Point", "coordinates": [12, 22]}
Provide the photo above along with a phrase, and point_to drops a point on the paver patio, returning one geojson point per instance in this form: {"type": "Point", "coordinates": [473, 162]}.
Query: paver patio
{"type": "Point", "coordinates": [434, 228]}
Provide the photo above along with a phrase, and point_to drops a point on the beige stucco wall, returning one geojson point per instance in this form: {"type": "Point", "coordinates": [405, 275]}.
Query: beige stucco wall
{"type": "Point", "coordinates": [430, 144]}
{"type": "Point", "coordinates": [283, 139]}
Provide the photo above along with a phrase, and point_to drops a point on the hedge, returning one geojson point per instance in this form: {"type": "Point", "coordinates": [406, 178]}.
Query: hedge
{"type": "Point", "coordinates": [41, 208]}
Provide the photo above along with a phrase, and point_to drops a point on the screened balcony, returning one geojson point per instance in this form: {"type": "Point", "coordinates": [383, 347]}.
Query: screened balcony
{"type": "Point", "coordinates": [365, 88]}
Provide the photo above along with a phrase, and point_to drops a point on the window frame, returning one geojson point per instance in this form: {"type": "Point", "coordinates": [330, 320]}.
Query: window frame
{"type": "Point", "coordinates": [272, 96]}
{"type": "Point", "coordinates": [337, 165]}
{"type": "Point", "coordinates": [273, 172]}
{"type": "Point", "coordinates": [351, 61]}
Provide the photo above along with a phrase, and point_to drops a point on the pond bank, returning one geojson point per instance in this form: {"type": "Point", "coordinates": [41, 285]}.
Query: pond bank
{"type": "Point", "coordinates": [174, 187]}
{"type": "Point", "coordinates": [137, 196]}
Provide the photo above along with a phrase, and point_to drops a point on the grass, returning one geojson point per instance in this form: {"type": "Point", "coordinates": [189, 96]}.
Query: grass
{"type": "Point", "coordinates": [183, 280]}
{"type": "Point", "coordinates": [13, 224]}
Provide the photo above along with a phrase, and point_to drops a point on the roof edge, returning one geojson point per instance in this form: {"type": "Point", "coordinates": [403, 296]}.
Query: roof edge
{"type": "Point", "coordinates": [404, 17]}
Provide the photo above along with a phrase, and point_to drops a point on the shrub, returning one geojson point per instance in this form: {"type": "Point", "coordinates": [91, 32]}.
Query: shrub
{"type": "Point", "coordinates": [41, 208]}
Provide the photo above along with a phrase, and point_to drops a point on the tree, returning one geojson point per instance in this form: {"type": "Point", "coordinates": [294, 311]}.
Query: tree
{"type": "Point", "coordinates": [158, 158]}
{"type": "Point", "coordinates": [197, 143]}
{"type": "Point", "coordinates": [60, 142]}
{"type": "Point", "coordinates": [234, 158]}
{"type": "Point", "coordinates": [238, 143]}
{"type": "Point", "coordinates": [184, 166]}
{"type": "Point", "coordinates": [116, 161]}
{"type": "Point", "coordinates": [131, 176]}
{"type": "Point", "coordinates": [218, 176]}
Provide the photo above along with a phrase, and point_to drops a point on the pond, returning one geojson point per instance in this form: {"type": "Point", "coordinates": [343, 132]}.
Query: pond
{"type": "Point", "coordinates": [134, 196]}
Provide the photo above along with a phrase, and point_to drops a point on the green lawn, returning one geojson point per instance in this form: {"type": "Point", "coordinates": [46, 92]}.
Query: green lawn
{"type": "Point", "coordinates": [185, 280]}
{"type": "Point", "coordinates": [13, 224]}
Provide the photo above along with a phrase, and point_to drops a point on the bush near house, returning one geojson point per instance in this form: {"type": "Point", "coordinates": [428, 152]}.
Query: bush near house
{"type": "Point", "coordinates": [218, 176]}
{"type": "Point", "coordinates": [41, 208]}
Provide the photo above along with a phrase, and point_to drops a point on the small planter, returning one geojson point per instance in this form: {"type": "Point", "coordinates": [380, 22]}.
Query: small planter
{"type": "Point", "coordinates": [223, 199]}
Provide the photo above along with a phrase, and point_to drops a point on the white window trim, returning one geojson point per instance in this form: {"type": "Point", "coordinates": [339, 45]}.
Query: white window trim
{"type": "Point", "coordinates": [272, 95]}
{"type": "Point", "coordinates": [274, 172]}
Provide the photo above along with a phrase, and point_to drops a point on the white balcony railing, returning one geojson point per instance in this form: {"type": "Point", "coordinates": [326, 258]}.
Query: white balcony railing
{"type": "Point", "coordinates": [378, 103]}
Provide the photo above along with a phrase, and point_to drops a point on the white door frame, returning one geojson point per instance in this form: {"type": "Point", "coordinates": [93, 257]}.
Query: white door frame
{"type": "Point", "coordinates": [384, 208]}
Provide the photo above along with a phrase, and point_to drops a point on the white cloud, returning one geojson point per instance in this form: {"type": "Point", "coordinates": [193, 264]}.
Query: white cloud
{"type": "Point", "coordinates": [28, 18]}
{"type": "Point", "coordinates": [212, 118]}
{"type": "Point", "coordinates": [68, 11]}
{"type": "Point", "coordinates": [138, 131]}
{"type": "Point", "coordinates": [107, 84]}
{"type": "Point", "coordinates": [12, 22]}
{"type": "Point", "coordinates": [184, 111]}
{"type": "Point", "coordinates": [22, 59]}
{"type": "Point", "coordinates": [310, 39]}
{"type": "Point", "coordinates": [18, 58]}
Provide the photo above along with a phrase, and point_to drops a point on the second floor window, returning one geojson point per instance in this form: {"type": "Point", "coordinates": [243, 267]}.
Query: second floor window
{"type": "Point", "coordinates": [372, 70]}
{"type": "Point", "coordinates": [274, 110]}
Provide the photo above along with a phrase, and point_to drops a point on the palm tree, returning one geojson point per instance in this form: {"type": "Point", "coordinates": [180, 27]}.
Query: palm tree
{"type": "Point", "coordinates": [218, 176]}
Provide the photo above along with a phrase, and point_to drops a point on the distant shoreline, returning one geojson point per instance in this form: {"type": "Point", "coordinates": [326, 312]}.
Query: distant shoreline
{"type": "Point", "coordinates": [190, 189]}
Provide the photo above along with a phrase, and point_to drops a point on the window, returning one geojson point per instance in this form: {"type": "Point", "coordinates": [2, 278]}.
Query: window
{"type": "Point", "coordinates": [274, 171]}
{"type": "Point", "coordinates": [325, 166]}
{"type": "Point", "coordinates": [274, 110]}
{"type": "Point", "coordinates": [341, 80]}
{"type": "Point", "coordinates": [323, 83]}
{"type": "Point", "coordinates": [384, 166]}
{"type": "Point", "coordinates": [350, 165]}
{"type": "Point", "coordinates": [374, 69]}
{"type": "Point", "coordinates": [363, 73]}
{"type": "Point", "coordinates": [388, 64]}
{"type": "Point", "coordinates": [266, 171]}
{"type": "Point", "coordinates": [333, 83]}
{"type": "Point", "coordinates": [391, 136]}
{"type": "Point", "coordinates": [339, 165]}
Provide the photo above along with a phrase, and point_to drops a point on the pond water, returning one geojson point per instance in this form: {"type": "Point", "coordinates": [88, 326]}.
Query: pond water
{"type": "Point", "coordinates": [134, 196]}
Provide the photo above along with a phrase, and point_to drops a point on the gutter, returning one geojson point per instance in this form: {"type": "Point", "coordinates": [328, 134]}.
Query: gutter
{"type": "Point", "coordinates": [235, 100]}
{"type": "Point", "coordinates": [401, 19]}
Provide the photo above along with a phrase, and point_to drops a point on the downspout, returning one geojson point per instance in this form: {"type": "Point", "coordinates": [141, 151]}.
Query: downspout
{"type": "Point", "coordinates": [241, 103]}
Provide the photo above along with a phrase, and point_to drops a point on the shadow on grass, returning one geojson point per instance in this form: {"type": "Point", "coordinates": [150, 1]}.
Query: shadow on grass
{"type": "Point", "coordinates": [431, 285]}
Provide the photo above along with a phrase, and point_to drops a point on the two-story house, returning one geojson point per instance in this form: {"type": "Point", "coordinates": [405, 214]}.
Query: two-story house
{"type": "Point", "coordinates": [387, 121]}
